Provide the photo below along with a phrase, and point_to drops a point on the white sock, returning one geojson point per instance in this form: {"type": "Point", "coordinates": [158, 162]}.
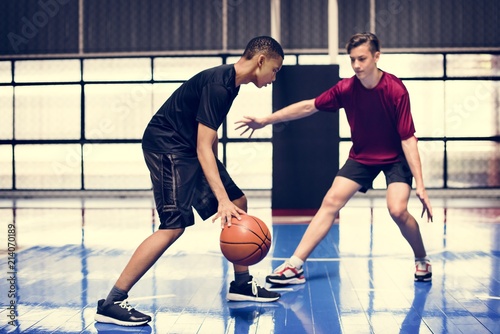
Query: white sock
{"type": "Point", "coordinates": [296, 262]}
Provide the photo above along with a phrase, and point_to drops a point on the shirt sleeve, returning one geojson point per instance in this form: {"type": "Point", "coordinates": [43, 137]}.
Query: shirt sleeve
{"type": "Point", "coordinates": [330, 100]}
{"type": "Point", "coordinates": [406, 127]}
{"type": "Point", "coordinates": [214, 105]}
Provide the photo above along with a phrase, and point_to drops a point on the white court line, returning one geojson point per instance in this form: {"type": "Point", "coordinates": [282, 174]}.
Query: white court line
{"type": "Point", "coordinates": [370, 290]}
{"type": "Point", "coordinates": [280, 289]}
{"type": "Point", "coordinates": [343, 258]}
{"type": "Point", "coordinates": [435, 252]}
{"type": "Point", "coordinates": [310, 260]}
{"type": "Point", "coordinates": [150, 297]}
{"type": "Point", "coordinates": [487, 297]}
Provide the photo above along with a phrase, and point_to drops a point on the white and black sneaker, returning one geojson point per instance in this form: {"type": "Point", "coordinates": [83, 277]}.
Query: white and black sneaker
{"type": "Point", "coordinates": [250, 292]}
{"type": "Point", "coordinates": [423, 271]}
{"type": "Point", "coordinates": [286, 274]}
{"type": "Point", "coordinates": [120, 313]}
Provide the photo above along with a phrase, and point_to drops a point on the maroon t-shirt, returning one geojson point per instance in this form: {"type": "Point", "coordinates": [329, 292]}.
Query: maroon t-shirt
{"type": "Point", "coordinates": [379, 118]}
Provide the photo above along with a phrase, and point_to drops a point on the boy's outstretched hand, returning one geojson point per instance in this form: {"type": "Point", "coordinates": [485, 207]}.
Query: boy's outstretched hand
{"type": "Point", "coordinates": [426, 204]}
{"type": "Point", "coordinates": [249, 122]}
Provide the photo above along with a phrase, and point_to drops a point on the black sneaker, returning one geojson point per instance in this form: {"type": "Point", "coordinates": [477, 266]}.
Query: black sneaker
{"type": "Point", "coordinates": [251, 292]}
{"type": "Point", "coordinates": [120, 313]}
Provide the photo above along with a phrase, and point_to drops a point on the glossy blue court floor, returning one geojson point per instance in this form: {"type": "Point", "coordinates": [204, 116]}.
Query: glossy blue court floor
{"type": "Point", "coordinates": [359, 279]}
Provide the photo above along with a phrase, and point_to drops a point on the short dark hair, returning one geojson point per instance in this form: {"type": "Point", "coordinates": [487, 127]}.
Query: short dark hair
{"type": "Point", "coordinates": [362, 38]}
{"type": "Point", "coordinates": [263, 44]}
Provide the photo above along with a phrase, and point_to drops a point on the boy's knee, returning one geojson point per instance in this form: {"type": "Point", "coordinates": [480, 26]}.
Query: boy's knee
{"type": "Point", "coordinates": [171, 234]}
{"type": "Point", "coordinates": [331, 203]}
{"type": "Point", "coordinates": [241, 203]}
{"type": "Point", "coordinates": [399, 214]}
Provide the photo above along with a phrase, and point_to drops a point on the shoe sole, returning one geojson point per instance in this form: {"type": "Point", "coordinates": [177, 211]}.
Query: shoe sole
{"type": "Point", "coordinates": [294, 280]}
{"type": "Point", "coordinates": [234, 297]}
{"type": "Point", "coordinates": [425, 278]}
{"type": "Point", "coordinates": [109, 320]}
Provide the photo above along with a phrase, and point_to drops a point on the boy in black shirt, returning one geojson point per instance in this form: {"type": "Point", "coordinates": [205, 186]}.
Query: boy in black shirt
{"type": "Point", "coordinates": [180, 149]}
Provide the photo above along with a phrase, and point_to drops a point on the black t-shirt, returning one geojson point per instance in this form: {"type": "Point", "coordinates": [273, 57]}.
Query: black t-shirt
{"type": "Point", "coordinates": [205, 98]}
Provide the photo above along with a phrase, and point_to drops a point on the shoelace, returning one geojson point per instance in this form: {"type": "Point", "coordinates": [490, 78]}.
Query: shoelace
{"type": "Point", "coordinates": [255, 287]}
{"type": "Point", "coordinates": [125, 305]}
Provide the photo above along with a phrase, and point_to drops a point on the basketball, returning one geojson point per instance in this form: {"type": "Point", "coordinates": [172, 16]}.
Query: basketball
{"type": "Point", "coordinates": [246, 242]}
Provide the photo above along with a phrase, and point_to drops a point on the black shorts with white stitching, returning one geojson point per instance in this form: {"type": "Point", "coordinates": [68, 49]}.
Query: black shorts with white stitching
{"type": "Point", "coordinates": [179, 185]}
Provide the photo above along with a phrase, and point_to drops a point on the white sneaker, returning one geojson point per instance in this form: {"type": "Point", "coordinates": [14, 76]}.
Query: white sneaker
{"type": "Point", "coordinates": [423, 271]}
{"type": "Point", "coordinates": [286, 274]}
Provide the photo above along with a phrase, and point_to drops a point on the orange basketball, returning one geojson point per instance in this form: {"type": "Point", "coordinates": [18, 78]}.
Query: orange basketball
{"type": "Point", "coordinates": [246, 242]}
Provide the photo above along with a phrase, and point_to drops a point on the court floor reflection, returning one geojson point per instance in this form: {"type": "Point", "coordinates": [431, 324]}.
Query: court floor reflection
{"type": "Point", "coordinates": [359, 279]}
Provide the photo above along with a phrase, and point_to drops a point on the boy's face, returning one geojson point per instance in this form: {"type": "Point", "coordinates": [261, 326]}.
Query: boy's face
{"type": "Point", "coordinates": [267, 70]}
{"type": "Point", "coordinates": [363, 61]}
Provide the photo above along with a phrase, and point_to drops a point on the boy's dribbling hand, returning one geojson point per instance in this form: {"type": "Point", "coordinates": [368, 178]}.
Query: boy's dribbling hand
{"type": "Point", "coordinates": [226, 211]}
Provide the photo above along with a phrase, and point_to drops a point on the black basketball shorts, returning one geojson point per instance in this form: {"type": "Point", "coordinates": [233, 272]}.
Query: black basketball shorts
{"type": "Point", "coordinates": [365, 174]}
{"type": "Point", "coordinates": [179, 185]}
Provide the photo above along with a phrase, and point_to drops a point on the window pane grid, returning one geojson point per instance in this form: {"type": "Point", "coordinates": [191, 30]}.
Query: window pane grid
{"type": "Point", "coordinates": [6, 112]}
{"type": "Point", "coordinates": [5, 71]}
{"type": "Point", "coordinates": [6, 167]}
{"type": "Point", "coordinates": [114, 166]}
{"type": "Point", "coordinates": [117, 111]}
{"type": "Point", "coordinates": [67, 70]}
{"type": "Point", "coordinates": [118, 69]}
{"type": "Point", "coordinates": [73, 135]}
{"type": "Point", "coordinates": [47, 166]}
{"type": "Point", "coordinates": [47, 112]}
{"type": "Point", "coordinates": [473, 164]}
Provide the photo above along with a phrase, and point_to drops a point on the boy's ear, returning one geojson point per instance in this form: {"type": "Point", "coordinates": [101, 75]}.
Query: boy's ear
{"type": "Point", "coordinates": [260, 59]}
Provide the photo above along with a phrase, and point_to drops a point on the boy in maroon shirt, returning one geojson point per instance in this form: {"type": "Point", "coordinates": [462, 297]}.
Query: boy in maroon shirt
{"type": "Point", "coordinates": [377, 106]}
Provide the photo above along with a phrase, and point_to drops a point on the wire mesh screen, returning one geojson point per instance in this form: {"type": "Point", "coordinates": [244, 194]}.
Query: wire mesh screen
{"type": "Point", "coordinates": [34, 26]}
{"type": "Point", "coordinates": [354, 17]}
{"type": "Point", "coordinates": [246, 19]}
{"type": "Point", "coordinates": [148, 25]}
{"type": "Point", "coordinates": [438, 24]}
{"type": "Point", "coordinates": [120, 26]}
{"type": "Point", "coordinates": [304, 24]}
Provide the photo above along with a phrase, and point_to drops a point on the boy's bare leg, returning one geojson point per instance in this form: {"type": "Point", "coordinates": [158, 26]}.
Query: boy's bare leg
{"type": "Point", "coordinates": [242, 204]}
{"type": "Point", "coordinates": [337, 196]}
{"type": "Point", "coordinates": [398, 194]}
{"type": "Point", "coordinates": [146, 255]}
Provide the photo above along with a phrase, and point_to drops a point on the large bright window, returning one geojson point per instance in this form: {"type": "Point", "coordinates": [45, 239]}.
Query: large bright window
{"type": "Point", "coordinates": [48, 166]}
{"type": "Point", "coordinates": [6, 167]}
{"type": "Point", "coordinates": [117, 69]}
{"type": "Point", "coordinates": [250, 164]}
{"type": "Point", "coordinates": [78, 123]}
{"type": "Point", "coordinates": [57, 70]}
{"type": "Point", "coordinates": [47, 112]}
{"type": "Point", "coordinates": [473, 164]}
{"type": "Point", "coordinates": [6, 112]}
{"type": "Point", "coordinates": [115, 166]}
{"type": "Point", "coordinates": [117, 111]}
